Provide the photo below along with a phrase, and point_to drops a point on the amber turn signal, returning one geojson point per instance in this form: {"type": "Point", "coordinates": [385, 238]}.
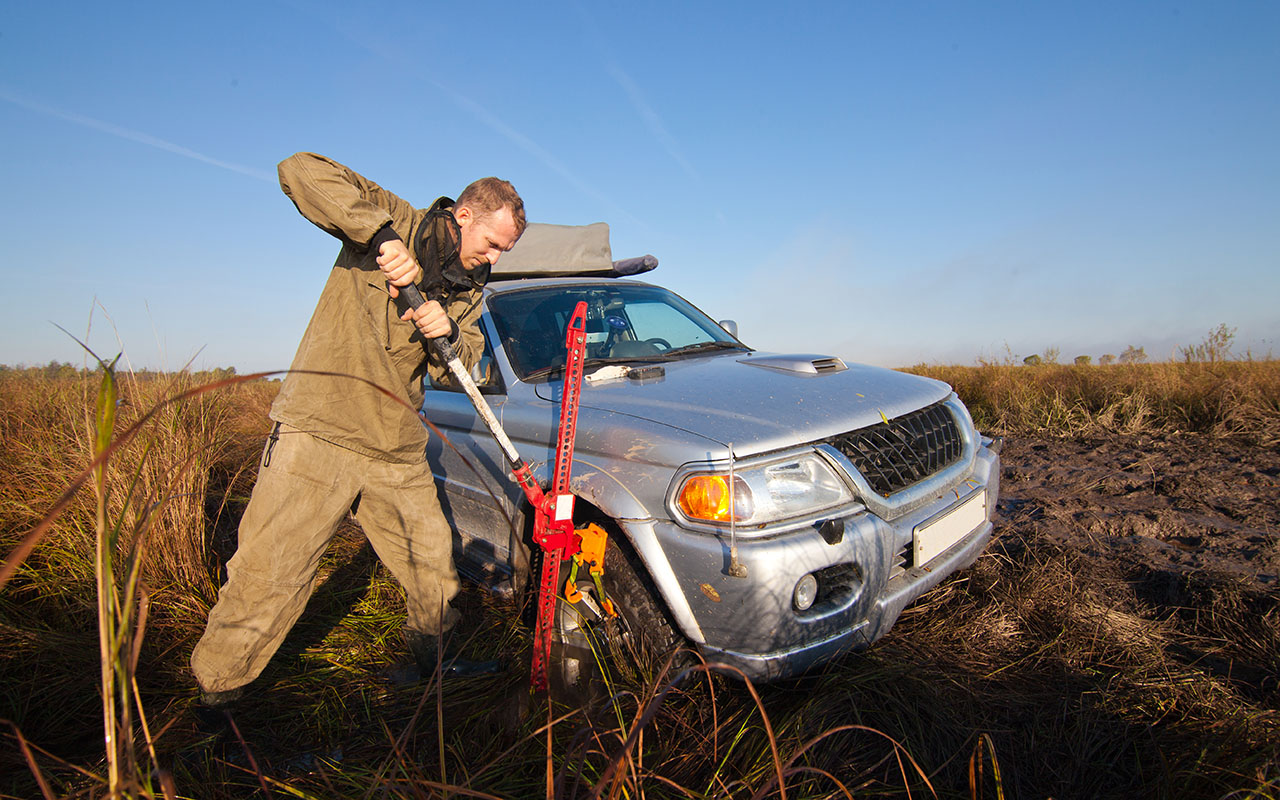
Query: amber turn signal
{"type": "Point", "coordinates": [707, 497]}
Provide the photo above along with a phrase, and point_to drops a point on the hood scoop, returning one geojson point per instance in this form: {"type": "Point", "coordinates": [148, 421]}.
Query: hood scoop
{"type": "Point", "coordinates": [803, 364]}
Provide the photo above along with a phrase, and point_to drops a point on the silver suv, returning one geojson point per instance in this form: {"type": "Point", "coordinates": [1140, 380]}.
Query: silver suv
{"type": "Point", "coordinates": [772, 510]}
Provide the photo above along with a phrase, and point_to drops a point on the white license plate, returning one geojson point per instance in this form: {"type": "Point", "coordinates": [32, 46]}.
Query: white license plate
{"type": "Point", "coordinates": [938, 534]}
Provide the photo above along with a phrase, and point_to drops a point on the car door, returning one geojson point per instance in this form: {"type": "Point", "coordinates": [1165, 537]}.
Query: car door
{"type": "Point", "coordinates": [471, 474]}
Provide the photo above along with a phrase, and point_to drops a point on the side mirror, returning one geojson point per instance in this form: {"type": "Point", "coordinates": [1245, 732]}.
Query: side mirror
{"type": "Point", "coordinates": [730, 326]}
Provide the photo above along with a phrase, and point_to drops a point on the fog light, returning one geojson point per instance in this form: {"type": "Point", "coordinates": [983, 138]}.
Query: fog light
{"type": "Point", "coordinates": [806, 592]}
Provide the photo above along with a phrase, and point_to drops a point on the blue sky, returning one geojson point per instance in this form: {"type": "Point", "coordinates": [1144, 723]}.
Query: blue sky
{"type": "Point", "coordinates": [891, 182]}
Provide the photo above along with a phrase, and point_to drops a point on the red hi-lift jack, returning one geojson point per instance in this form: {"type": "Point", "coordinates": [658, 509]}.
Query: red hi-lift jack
{"type": "Point", "coordinates": [553, 527]}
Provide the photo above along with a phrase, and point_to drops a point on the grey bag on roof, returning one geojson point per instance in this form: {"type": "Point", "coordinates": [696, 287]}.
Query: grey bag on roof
{"type": "Point", "coordinates": [547, 250]}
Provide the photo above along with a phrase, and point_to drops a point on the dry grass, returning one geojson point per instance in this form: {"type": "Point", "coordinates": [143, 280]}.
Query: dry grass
{"type": "Point", "coordinates": [1026, 677]}
{"type": "Point", "coordinates": [193, 455]}
{"type": "Point", "coordinates": [1221, 398]}
{"type": "Point", "coordinates": [154, 508]}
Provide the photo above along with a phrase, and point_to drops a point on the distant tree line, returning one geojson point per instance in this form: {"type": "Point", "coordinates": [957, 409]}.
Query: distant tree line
{"type": "Point", "coordinates": [1217, 346]}
{"type": "Point", "coordinates": [57, 369]}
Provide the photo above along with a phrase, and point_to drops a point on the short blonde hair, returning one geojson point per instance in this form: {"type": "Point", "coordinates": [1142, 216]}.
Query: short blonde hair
{"type": "Point", "coordinates": [488, 195]}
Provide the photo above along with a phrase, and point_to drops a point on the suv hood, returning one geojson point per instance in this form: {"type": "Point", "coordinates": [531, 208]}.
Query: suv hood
{"type": "Point", "coordinates": [749, 400]}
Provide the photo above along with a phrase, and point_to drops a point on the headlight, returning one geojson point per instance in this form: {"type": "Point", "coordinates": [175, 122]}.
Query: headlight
{"type": "Point", "coordinates": [763, 493]}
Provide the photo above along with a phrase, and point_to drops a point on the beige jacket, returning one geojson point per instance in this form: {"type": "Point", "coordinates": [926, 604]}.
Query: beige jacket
{"type": "Point", "coordinates": [356, 329]}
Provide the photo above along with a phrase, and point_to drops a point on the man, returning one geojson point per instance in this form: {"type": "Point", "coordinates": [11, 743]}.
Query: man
{"type": "Point", "coordinates": [340, 444]}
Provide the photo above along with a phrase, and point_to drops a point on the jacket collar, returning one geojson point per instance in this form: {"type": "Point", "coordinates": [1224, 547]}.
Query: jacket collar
{"type": "Point", "coordinates": [436, 248]}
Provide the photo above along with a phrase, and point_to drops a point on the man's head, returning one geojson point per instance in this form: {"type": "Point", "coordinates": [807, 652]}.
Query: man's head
{"type": "Point", "coordinates": [490, 217]}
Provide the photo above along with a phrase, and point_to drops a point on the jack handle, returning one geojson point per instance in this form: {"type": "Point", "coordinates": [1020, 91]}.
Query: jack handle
{"type": "Point", "coordinates": [445, 350]}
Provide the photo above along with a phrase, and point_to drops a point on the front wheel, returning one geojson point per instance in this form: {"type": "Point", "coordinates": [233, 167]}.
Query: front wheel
{"type": "Point", "coordinates": [592, 650]}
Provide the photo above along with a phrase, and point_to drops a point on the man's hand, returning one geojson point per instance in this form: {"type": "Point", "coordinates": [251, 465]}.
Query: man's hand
{"type": "Point", "coordinates": [430, 319]}
{"type": "Point", "coordinates": [398, 265]}
{"type": "Point", "coordinates": [401, 269]}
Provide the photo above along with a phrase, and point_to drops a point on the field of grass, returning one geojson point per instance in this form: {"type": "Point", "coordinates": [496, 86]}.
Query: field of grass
{"type": "Point", "coordinates": [1220, 398]}
{"type": "Point", "coordinates": [1026, 676]}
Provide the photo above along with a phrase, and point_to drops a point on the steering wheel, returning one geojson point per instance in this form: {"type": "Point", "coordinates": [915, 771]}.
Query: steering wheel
{"type": "Point", "coordinates": [659, 342]}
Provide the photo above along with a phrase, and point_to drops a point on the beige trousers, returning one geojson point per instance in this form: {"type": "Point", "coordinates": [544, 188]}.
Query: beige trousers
{"type": "Point", "coordinates": [304, 488]}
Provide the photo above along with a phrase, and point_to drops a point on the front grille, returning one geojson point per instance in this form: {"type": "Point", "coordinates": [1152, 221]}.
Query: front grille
{"type": "Point", "coordinates": [905, 450]}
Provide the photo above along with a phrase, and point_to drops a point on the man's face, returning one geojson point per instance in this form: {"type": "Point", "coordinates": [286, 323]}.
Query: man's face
{"type": "Point", "coordinates": [486, 237]}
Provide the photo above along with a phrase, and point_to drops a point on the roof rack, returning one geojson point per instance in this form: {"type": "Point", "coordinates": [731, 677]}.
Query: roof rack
{"type": "Point", "coordinates": [549, 251]}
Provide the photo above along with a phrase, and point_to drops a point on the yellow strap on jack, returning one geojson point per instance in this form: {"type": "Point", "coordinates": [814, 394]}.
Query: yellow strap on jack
{"type": "Point", "coordinates": [571, 592]}
{"type": "Point", "coordinates": [594, 540]}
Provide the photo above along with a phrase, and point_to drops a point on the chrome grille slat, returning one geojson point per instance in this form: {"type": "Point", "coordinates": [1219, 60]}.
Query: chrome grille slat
{"type": "Point", "coordinates": [905, 450]}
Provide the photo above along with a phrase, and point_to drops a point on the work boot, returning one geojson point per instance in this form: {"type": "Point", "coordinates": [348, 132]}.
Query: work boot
{"type": "Point", "coordinates": [221, 700]}
{"type": "Point", "coordinates": [424, 648]}
{"type": "Point", "coordinates": [212, 710]}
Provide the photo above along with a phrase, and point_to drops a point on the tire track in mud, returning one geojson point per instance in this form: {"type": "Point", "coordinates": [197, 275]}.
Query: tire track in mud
{"type": "Point", "coordinates": [1179, 504]}
{"type": "Point", "coordinates": [1179, 534]}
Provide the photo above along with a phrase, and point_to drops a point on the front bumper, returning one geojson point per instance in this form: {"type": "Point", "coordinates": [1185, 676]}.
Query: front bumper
{"type": "Point", "coordinates": [867, 576]}
{"type": "Point", "coordinates": [899, 592]}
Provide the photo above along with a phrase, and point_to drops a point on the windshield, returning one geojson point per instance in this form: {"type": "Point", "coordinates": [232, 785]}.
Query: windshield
{"type": "Point", "coordinates": [625, 323]}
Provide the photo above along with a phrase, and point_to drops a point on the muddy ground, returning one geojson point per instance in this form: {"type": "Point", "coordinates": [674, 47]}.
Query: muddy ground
{"type": "Point", "coordinates": [1143, 506]}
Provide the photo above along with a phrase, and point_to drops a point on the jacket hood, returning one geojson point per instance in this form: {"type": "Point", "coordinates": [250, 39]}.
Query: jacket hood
{"type": "Point", "coordinates": [756, 401]}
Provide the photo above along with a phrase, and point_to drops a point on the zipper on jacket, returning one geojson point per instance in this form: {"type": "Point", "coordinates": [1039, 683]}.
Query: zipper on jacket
{"type": "Point", "coordinates": [271, 444]}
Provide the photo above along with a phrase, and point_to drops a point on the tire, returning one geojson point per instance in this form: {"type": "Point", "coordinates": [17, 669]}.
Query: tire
{"type": "Point", "coordinates": [591, 651]}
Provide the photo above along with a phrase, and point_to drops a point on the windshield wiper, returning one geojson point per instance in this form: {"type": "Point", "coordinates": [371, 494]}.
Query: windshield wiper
{"type": "Point", "coordinates": [551, 370]}
{"type": "Point", "coordinates": [657, 358]}
{"type": "Point", "coordinates": [706, 347]}
{"type": "Point", "coordinates": [544, 372]}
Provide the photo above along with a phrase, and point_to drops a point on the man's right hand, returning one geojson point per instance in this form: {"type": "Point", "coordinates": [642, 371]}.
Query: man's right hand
{"type": "Point", "coordinates": [398, 265]}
